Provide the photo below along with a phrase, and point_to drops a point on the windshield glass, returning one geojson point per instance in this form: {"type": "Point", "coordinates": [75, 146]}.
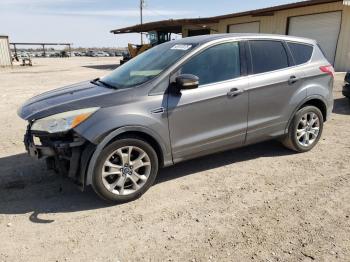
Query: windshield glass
{"type": "Point", "coordinates": [147, 65]}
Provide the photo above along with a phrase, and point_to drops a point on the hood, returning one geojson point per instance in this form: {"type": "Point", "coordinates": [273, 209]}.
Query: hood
{"type": "Point", "coordinates": [73, 97]}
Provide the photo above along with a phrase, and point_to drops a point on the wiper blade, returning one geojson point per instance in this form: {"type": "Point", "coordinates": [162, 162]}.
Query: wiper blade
{"type": "Point", "coordinates": [107, 85]}
{"type": "Point", "coordinates": [97, 80]}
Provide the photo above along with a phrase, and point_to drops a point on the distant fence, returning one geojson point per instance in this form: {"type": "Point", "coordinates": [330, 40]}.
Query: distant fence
{"type": "Point", "coordinates": [43, 46]}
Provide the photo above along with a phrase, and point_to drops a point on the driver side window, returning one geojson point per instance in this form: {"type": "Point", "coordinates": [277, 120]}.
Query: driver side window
{"type": "Point", "coordinates": [218, 63]}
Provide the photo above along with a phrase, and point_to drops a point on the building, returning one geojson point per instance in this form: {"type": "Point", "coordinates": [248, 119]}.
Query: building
{"type": "Point", "coordinates": [5, 54]}
{"type": "Point", "coordinates": [327, 21]}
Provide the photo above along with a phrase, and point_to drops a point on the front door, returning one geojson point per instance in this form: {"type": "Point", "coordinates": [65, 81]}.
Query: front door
{"type": "Point", "coordinates": [212, 117]}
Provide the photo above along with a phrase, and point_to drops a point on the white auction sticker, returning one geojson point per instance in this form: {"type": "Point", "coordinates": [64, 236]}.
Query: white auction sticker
{"type": "Point", "coordinates": [181, 47]}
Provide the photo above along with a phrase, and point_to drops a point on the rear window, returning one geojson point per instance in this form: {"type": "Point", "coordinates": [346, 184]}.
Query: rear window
{"type": "Point", "coordinates": [301, 53]}
{"type": "Point", "coordinates": [268, 56]}
{"type": "Point", "coordinates": [322, 51]}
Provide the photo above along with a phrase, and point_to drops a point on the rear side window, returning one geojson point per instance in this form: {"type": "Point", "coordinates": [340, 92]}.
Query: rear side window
{"type": "Point", "coordinates": [301, 53]}
{"type": "Point", "coordinates": [323, 53]}
{"type": "Point", "coordinates": [268, 56]}
{"type": "Point", "coordinates": [215, 64]}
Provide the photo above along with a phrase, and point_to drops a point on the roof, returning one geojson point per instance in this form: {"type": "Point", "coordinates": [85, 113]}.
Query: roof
{"type": "Point", "coordinates": [171, 25]}
{"type": "Point", "coordinates": [15, 43]}
{"type": "Point", "coordinates": [175, 25]}
{"type": "Point", "coordinates": [269, 10]}
{"type": "Point", "coordinates": [201, 39]}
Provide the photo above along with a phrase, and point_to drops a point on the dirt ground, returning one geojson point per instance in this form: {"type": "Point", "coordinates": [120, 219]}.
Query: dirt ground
{"type": "Point", "coordinates": [259, 203]}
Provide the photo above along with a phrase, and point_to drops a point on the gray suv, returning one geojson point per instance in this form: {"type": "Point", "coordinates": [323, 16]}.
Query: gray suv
{"type": "Point", "coordinates": [180, 100]}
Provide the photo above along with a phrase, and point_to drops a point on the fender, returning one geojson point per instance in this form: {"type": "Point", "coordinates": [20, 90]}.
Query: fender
{"type": "Point", "coordinates": [167, 158]}
{"type": "Point", "coordinates": [305, 100]}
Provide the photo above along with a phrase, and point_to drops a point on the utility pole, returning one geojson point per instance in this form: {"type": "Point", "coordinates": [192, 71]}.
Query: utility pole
{"type": "Point", "coordinates": [142, 3]}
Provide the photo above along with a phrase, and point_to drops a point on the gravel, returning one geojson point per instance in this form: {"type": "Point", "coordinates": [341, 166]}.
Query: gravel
{"type": "Point", "coordinates": [261, 203]}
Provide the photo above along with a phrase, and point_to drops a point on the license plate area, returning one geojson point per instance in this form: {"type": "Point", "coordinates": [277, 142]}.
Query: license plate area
{"type": "Point", "coordinates": [35, 148]}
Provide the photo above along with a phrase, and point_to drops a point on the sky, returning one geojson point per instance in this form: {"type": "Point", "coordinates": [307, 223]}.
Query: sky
{"type": "Point", "coordinates": [87, 23]}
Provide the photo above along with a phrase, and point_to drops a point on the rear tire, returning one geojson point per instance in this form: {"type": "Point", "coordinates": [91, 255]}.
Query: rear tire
{"type": "Point", "coordinates": [125, 170]}
{"type": "Point", "coordinates": [305, 129]}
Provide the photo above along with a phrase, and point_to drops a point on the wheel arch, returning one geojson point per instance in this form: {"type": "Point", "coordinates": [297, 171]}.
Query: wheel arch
{"type": "Point", "coordinates": [319, 104]}
{"type": "Point", "coordinates": [317, 101]}
{"type": "Point", "coordinates": [128, 131]}
{"type": "Point", "coordinates": [143, 136]}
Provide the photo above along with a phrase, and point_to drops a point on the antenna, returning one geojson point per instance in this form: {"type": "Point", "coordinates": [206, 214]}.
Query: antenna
{"type": "Point", "coordinates": [142, 4]}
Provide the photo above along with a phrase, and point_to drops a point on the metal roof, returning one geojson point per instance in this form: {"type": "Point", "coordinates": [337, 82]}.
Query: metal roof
{"type": "Point", "coordinates": [41, 43]}
{"type": "Point", "coordinates": [171, 25]}
{"type": "Point", "coordinates": [175, 25]}
{"type": "Point", "coordinates": [269, 10]}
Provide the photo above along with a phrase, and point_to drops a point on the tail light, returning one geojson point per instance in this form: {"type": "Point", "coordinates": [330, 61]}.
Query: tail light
{"type": "Point", "coordinates": [328, 69]}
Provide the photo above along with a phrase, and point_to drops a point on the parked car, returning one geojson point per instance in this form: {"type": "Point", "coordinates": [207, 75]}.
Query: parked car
{"type": "Point", "coordinates": [91, 53]}
{"type": "Point", "coordinates": [121, 53]}
{"type": "Point", "coordinates": [110, 53]}
{"type": "Point", "coordinates": [54, 54]}
{"type": "Point", "coordinates": [97, 54]}
{"type": "Point", "coordinates": [101, 54]}
{"type": "Point", "coordinates": [23, 55]}
{"type": "Point", "coordinates": [346, 87]}
{"type": "Point", "coordinates": [177, 101]}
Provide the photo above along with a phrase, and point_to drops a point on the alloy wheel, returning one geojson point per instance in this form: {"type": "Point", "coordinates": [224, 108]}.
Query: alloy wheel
{"type": "Point", "coordinates": [308, 129]}
{"type": "Point", "coordinates": [126, 170]}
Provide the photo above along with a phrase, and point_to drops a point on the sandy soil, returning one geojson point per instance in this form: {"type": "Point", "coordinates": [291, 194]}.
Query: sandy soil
{"type": "Point", "coordinates": [259, 203]}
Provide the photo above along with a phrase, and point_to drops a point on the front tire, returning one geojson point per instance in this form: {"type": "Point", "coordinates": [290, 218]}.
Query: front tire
{"type": "Point", "coordinates": [305, 129]}
{"type": "Point", "coordinates": [125, 170]}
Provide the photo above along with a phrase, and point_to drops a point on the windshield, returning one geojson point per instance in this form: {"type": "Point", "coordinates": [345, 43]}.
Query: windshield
{"type": "Point", "coordinates": [147, 65]}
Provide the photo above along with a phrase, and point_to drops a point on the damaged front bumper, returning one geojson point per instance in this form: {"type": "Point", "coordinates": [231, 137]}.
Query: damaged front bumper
{"type": "Point", "coordinates": [66, 153]}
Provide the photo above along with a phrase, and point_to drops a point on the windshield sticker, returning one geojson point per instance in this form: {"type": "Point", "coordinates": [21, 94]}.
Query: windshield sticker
{"type": "Point", "coordinates": [181, 47]}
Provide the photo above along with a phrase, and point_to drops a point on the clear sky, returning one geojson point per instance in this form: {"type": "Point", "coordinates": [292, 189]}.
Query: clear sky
{"type": "Point", "coordinates": [87, 23]}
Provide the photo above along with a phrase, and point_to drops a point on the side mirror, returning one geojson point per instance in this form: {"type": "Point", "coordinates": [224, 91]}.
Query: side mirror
{"type": "Point", "coordinates": [186, 81]}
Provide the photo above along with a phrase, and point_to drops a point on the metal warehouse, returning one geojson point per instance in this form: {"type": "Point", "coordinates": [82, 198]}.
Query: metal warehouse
{"type": "Point", "coordinates": [327, 21]}
{"type": "Point", "coordinates": [5, 55]}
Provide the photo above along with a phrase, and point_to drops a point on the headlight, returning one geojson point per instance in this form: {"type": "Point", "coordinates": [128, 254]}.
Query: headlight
{"type": "Point", "coordinates": [64, 121]}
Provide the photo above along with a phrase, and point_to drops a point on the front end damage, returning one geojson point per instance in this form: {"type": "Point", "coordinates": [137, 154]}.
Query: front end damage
{"type": "Point", "coordinates": [66, 153]}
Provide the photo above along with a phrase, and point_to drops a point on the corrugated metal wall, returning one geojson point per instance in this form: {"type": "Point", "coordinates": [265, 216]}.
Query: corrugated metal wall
{"type": "Point", "coordinates": [5, 55]}
{"type": "Point", "coordinates": [343, 48]}
{"type": "Point", "coordinates": [278, 24]}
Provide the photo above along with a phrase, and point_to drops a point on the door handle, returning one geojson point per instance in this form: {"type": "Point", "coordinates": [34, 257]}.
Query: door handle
{"type": "Point", "coordinates": [235, 92]}
{"type": "Point", "coordinates": [292, 80]}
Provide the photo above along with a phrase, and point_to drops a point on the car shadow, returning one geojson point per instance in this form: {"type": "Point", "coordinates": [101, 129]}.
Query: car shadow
{"type": "Point", "coordinates": [265, 149]}
{"type": "Point", "coordinates": [341, 106]}
{"type": "Point", "coordinates": [35, 190]}
{"type": "Point", "coordinates": [102, 67]}
{"type": "Point", "coordinates": [53, 194]}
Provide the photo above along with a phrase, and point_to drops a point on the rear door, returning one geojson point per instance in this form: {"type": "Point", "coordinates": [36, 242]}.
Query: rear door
{"type": "Point", "coordinates": [275, 86]}
{"type": "Point", "coordinates": [211, 117]}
